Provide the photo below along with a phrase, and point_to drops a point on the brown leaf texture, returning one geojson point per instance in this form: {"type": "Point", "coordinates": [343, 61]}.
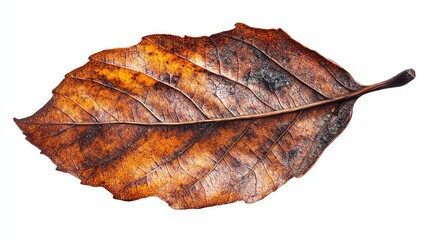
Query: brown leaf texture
{"type": "Point", "coordinates": [198, 121]}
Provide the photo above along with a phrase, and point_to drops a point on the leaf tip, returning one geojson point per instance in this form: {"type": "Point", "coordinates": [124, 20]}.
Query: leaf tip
{"type": "Point", "coordinates": [18, 122]}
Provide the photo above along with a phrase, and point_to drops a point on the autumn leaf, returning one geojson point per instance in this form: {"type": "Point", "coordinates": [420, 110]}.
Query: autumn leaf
{"type": "Point", "coordinates": [197, 121]}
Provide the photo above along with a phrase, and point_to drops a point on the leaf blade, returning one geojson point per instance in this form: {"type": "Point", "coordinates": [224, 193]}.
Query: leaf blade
{"type": "Point", "coordinates": [197, 121]}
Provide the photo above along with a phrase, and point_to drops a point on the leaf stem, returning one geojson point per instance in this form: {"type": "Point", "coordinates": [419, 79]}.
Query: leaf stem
{"type": "Point", "coordinates": [400, 79]}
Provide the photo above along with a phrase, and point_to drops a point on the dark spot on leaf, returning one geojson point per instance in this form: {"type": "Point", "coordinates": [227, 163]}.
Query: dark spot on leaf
{"type": "Point", "coordinates": [293, 153]}
{"type": "Point", "coordinates": [235, 163]}
{"type": "Point", "coordinates": [89, 136]}
{"type": "Point", "coordinates": [141, 181]}
{"type": "Point", "coordinates": [157, 86]}
{"type": "Point", "coordinates": [258, 54]}
{"type": "Point", "coordinates": [324, 140]}
{"type": "Point", "coordinates": [272, 77]}
{"type": "Point", "coordinates": [174, 79]}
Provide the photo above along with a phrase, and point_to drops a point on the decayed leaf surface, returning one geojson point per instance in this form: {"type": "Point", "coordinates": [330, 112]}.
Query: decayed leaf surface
{"type": "Point", "coordinates": [197, 121]}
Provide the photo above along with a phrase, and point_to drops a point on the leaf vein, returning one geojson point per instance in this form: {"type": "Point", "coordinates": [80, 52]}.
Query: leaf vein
{"type": "Point", "coordinates": [275, 62]}
{"type": "Point", "coordinates": [159, 81]}
{"type": "Point", "coordinates": [218, 74]}
{"type": "Point", "coordinates": [269, 149]}
{"type": "Point", "coordinates": [182, 151]}
{"type": "Point", "coordinates": [221, 158]}
{"type": "Point", "coordinates": [123, 92]}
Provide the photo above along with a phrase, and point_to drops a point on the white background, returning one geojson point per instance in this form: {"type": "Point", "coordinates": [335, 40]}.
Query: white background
{"type": "Point", "coordinates": [371, 183]}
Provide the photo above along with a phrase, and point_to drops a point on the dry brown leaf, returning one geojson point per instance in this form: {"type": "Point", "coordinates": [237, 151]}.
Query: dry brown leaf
{"type": "Point", "coordinates": [197, 121]}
